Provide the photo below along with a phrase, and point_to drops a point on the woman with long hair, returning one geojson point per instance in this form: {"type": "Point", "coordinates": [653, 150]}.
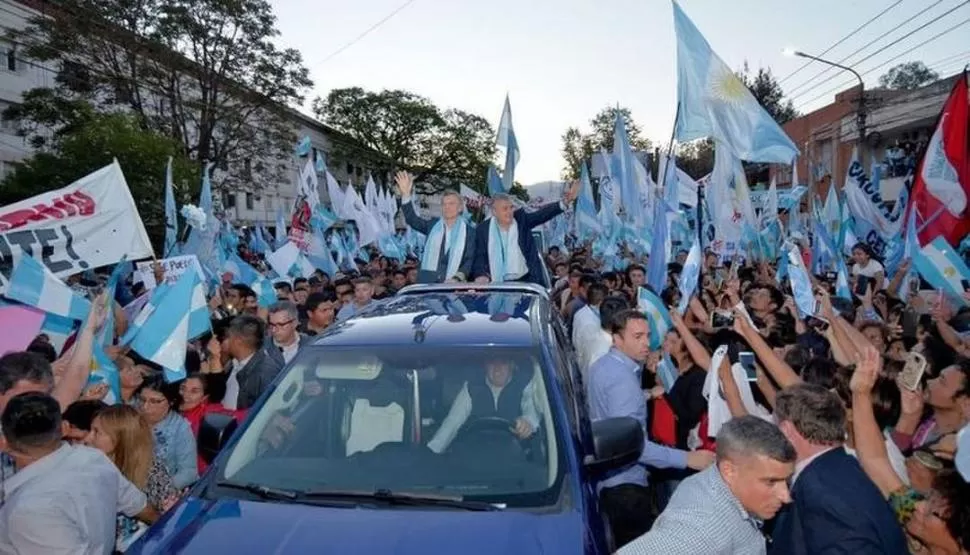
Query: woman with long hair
{"type": "Point", "coordinates": [158, 402]}
{"type": "Point", "coordinates": [122, 434]}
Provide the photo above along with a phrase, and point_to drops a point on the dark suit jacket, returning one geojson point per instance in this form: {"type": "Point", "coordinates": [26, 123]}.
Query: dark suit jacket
{"type": "Point", "coordinates": [836, 509]}
{"type": "Point", "coordinates": [425, 225]}
{"type": "Point", "coordinates": [526, 222]}
{"type": "Point", "coordinates": [255, 378]}
{"type": "Point", "coordinates": [273, 352]}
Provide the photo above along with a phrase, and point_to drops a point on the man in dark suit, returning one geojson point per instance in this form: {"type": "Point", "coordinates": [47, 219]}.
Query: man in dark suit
{"type": "Point", "coordinates": [504, 247]}
{"type": "Point", "coordinates": [442, 260]}
{"type": "Point", "coordinates": [252, 370]}
{"type": "Point", "coordinates": [836, 508]}
{"type": "Point", "coordinates": [285, 341]}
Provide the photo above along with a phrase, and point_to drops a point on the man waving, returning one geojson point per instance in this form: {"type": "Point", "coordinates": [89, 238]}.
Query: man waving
{"type": "Point", "coordinates": [450, 246]}
{"type": "Point", "coordinates": [504, 247]}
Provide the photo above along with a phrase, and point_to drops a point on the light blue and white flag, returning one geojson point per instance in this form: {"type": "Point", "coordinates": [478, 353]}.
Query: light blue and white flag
{"type": "Point", "coordinates": [171, 318]}
{"type": "Point", "coordinates": [659, 248]}
{"type": "Point", "coordinates": [657, 316]}
{"type": "Point", "coordinates": [506, 139]}
{"type": "Point", "coordinates": [32, 284]}
{"type": "Point", "coordinates": [689, 276]}
{"type": "Point", "coordinates": [713, 102]}
{"type": "Point", "coordinates": [801, 286]}
{"type": "Point", "coordinates": [941, 266]}
{"type": "Point", "coordinates": [667, 372]}
{"type": "Point", "coordinates": [304, 147]}
{"type": "Point", "coordinates": [171, 218]}
{"type": "Point", "coordinates": [495, 186]}
{"type": "Point", "coordinates": [280, 235]}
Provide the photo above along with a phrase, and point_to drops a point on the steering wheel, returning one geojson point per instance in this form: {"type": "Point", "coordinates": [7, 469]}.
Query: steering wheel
{"type": "Point", "coordinates": [490, 424]}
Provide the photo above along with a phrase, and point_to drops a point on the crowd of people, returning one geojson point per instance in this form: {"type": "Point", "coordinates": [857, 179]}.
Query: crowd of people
{"type": "Point", "coordinates": [766, 430]}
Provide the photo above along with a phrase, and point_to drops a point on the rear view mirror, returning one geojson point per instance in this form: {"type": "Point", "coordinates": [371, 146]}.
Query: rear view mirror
{"type": "Point", "coordinates": [214, 432]}
{"type": "Point", "coordinates": [617, 442]}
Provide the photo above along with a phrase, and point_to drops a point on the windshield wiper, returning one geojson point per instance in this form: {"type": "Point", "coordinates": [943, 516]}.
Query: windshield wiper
{"type": "Point", "coordinates": [391, 498]}
{"type": "Point", "coordinates": [263, 492]}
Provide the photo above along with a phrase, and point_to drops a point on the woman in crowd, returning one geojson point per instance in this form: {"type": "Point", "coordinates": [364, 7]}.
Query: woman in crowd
{"type": "Point", "coordinates": [201, 395]}
{"type": "Point", "coordinates": [174, 441]}
{"type": "Point", "coordinates": [124, 435]}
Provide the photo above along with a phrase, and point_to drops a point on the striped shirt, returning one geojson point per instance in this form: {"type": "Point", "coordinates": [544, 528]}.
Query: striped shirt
{"type": "Point", "coordinates": [703, 516]}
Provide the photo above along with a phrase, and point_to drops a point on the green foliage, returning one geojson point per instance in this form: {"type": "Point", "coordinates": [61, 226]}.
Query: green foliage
{"type": "Point", "coordinates": [908, 76]}
{"type": "Point", "coordinates": [578, 147]}
{"type": "Point", "coordinates": [442, 147]}
{"type": "Point", "coordinates": [769, 94]}
{"type": "Point", "coordinates": [89, 141]}
{"type": "Point", "coordinates": [206, 73]}
{"type": "Point", "coordinates": [696, 158]}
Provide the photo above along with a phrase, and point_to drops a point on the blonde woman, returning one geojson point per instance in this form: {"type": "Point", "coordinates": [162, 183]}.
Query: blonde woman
{"type": "Point", "coordinates": [124, 435]}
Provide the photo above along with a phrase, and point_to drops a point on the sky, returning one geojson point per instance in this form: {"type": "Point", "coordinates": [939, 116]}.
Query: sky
{"type": "Point", "coordinates": [561, 61]}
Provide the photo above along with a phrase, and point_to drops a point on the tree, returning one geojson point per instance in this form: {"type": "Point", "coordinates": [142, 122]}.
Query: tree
{"type": "Point", "coordinates": [908, 76]}
{"type": "Point", "coordinates": [87, 141]}
{"type": "Point", "coordinates": [578, 147]}
{"type": "Point", "coordinates": [769, 94]}
{"type": "Point", "coordinates": [443, 148]}
{"type": "Point", "coordinates": [696, 158]}
{"type": "Point", "coordinates": [206, 73]}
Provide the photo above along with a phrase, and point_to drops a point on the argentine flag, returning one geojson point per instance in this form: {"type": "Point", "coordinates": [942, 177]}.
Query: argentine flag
{"type": "Point", "coordinates": [657, 316]}
{"type": "Point", "coordinates": [713, 102]}
{"type": "Point", "coordinates": [32, 284]}
{"type": "Point", "coordinates": [689, 276]}
{"type": "Point", "coordinates": [941, 266]}
{"type": "Point", "coordinates": [174, 315]}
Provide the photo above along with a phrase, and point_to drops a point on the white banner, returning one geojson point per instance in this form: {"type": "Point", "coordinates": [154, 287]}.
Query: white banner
{"type": "Point", "coordinates": [174, 268]}
{"type": "Point", "coordinates": [90, 223]}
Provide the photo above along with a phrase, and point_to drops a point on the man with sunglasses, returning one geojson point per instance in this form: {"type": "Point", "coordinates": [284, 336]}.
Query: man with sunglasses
{"type": "Point", "coordinates": [283, 321]}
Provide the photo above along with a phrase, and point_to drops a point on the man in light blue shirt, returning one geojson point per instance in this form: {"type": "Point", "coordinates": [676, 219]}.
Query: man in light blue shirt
{"type": "Point", "coordinates": [363, 297]}
{"type": "Point", "coordinates": [614, 391]}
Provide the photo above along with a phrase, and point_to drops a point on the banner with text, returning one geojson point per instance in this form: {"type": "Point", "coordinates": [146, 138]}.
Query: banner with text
{"type": "Point", "coordinates": [90, 223]}
{"type": "Point", "coordinates": [174, 268]}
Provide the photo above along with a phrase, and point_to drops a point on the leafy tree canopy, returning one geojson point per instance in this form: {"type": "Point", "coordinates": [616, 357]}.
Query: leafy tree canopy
{"type": "Point", "coordinates": [578, 147]}
{"type": "Point", "coordinates": [908, 76]}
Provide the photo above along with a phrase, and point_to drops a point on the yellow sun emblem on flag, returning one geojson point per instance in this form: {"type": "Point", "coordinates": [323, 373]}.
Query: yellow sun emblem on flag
{"type": "Point", "coordinates": [949, 272]}
{"type": "Point", "coordinates": [726, 86]}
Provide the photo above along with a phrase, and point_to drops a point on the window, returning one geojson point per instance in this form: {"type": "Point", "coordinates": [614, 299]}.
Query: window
{"type": "Point", "coordinates": [350, 169]}
{"type": "Point", "coordinates": [248, 167]}
{"type": "Point", "coordinates": [10, 60]}
{"type": "Point", "coordinates": [229, 199]}
{"type": "Point", "coordinates": [249, 201]}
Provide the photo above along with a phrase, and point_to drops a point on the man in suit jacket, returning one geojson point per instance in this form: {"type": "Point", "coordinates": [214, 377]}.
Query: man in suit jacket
{"type": "Point", "coordinates": [504, 247]}
{"type": "Point", "coordinates": [720, 510]}
{"type": "Point", "coordinates": [285, 341]}
{"type": "Point", "coordinates": [449, 249]}
{"type": "Point", "coordinates": [252, 370]}
{"type": "Point", "coordinates": [836, 508]}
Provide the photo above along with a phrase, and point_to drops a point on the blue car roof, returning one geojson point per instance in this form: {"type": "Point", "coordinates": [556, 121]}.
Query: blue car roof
{"type": "Point", "coordinates": [447, 319]}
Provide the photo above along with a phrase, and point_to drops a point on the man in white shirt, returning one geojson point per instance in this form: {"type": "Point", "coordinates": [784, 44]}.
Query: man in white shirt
{"type": "Point", "coordinates": [64, 498]}
{"type": "Point", "coordinates": [586, 322]}
{"type": "Point", "coordinates": [502, 392]}
{"type": "Point", "coordinates": [598, 341]}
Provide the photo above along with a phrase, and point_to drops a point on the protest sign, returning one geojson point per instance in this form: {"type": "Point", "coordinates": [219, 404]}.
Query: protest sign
{"type": "Point", "coordinates": [90, 223]}
{"type": "Point", "coordinates": [174, 268]}
{"type": "Point", "coordinates": [21, 324]}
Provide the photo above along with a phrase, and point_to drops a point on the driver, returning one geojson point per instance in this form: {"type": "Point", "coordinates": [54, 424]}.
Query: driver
{"type": "Point", "coordinates": [501, 393]}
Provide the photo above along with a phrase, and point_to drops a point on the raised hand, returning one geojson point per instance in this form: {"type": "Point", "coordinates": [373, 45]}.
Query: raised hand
{"type": "Point", "coordinates": [570, 195]}
{"type": "Point", "coordinates": [866, 371]}
{"type": "Point", "coordinates": [405, 183]}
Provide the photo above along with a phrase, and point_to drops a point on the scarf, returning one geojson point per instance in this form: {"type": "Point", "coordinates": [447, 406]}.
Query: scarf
{"type": "Point", "coordinates": [505, 260]}
{"type": "Point", "coordinates": [456, 247]}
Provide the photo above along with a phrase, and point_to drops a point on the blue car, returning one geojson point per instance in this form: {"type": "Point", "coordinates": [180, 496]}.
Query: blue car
{"type": "Point", "coordinates": [447, 419]}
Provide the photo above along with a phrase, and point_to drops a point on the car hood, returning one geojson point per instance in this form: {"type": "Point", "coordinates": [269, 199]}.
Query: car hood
{"type": "Point", "coordinates": [234, 526]}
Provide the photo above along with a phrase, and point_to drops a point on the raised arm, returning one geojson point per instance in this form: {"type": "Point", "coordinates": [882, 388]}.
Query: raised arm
{"type": "Point", "coordinates": [405, 184]}
{"type": "Point", "coordinates": [551, 210]}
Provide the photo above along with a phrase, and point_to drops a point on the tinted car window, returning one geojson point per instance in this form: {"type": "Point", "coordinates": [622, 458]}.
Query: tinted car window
{"type": "Point", "coordinates": [421, 419]}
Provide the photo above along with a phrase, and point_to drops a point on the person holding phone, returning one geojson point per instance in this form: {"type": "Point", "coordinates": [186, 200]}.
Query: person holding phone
{"type": "Point", "coordinates": [866, 265]}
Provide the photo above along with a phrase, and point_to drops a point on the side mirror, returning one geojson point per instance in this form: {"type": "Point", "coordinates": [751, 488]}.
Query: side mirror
{"type": "Point", "coordinates": [214, 432]}
{"type": "Point", "coordinates": [617, 442]}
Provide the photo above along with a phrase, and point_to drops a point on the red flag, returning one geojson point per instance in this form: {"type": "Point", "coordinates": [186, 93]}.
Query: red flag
{"type": "Point", "coordinates": [941, 187]}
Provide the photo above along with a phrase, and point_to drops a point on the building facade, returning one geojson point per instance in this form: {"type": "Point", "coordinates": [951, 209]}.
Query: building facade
{"type": "Point", "coordinates": [898, 125]}
{"type": "Point", "coordinates": [348, 160]}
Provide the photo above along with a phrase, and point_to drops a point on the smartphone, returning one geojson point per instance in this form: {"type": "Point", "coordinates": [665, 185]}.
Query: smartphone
{"type": "Point", "coordinates": [831, 276]}
{"type": "Point", "coordinates": [914, 286]}
{"type": "Point", "coordinates": [910, 322]}
{"type": "Point", "coordinates": [746, 360]}
{"type": "Point", "coordinates": [912, 372]}
{"type": "Point", "coordinates": [817, 323]}
{"type": "Point", "coordinates": [721, 319]}
{"type": "Point", "coordinates": [861, 285]}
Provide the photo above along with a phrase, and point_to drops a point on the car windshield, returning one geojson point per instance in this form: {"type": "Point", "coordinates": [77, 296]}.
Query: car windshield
{"type": "Point", "coordinates": [468, 422]}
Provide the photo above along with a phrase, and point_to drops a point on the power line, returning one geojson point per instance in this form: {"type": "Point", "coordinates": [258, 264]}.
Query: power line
{"type": "Point", "coordinates": [843, 39]}
{"type": "Point", "coordinates": [370, 29]}
{"type": "Point", "coordinates": [867, 45]}
{"type": "Point", "coordinates": [890, 60]}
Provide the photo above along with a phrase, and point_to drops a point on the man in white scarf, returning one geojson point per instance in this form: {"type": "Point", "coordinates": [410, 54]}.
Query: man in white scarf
{"type": "Point", "coordinates": [504, 247]}
{"type": "Point", "coordinates": [450, 245]}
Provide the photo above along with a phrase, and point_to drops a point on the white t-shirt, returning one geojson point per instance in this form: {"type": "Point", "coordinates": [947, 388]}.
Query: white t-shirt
{"type": "Point", "coordinates": [870, 270]}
